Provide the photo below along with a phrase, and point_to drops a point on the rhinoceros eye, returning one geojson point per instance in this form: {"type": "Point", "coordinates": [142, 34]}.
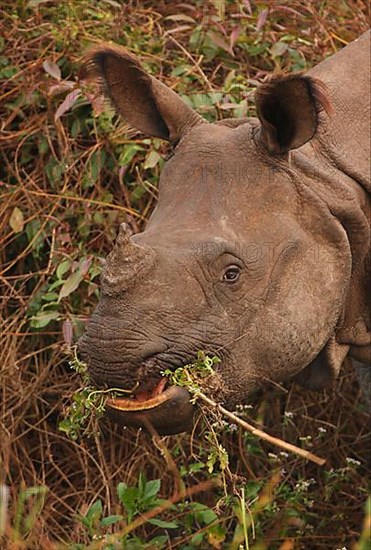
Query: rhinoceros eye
{"type": "Point", "coordinates": [232, 274]}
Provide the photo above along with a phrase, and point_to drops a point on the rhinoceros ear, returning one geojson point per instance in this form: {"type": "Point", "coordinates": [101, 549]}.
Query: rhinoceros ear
{"type": "Point", "coordinates": [143, 101]}
{"type": "Point", "coordinates": [288, 108]}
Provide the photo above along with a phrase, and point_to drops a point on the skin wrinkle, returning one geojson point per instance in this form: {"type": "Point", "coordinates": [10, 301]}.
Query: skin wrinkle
{"type": "Point", "coordinates": [215, 285]}
{"type": "Point", "coordinates": [198, 281]}
{"type": "Point", "coordinates": [163, 325]}
{"type": "Point", "coordinates": [303, 189]}
{"type": "Point", "coordinates": [298, 179]}
{"type": "Point", "coordinates": [262, 304]}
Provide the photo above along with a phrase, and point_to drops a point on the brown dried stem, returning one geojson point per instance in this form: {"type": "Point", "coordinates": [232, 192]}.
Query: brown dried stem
{"type": "Point", "coordinates": [263, 435]}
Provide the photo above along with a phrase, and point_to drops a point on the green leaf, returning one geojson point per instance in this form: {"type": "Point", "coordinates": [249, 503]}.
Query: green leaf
{"type": "Point", "coordinates": [181, 69]}
{"type": "Point", "coordinates": [54, 170]}
{"type": "Point", "coordinates": [63, 268]}
{"type": "Point", "coordinates": [95, 510]}
{"type": "Point", "coordinates": [278, 49]}
{"type": "Point", "coordinates": [128, 497]}
{"type": "Point", "coordinates": [141, 485]}
{"type": "Point", "coordinates": [215, 97]}
{"type": "Point", "coordinates": [252, 489]}
{"type": "Point", "coordinates": [71, 284]}
{"type": "Point", "coordinates": [196, 467]}
{"type": "Point", "coordinates": [203, 514]}
{"type": "Point", "coordinates": [211, 461]}
{"type": "Point", "coordinates": [160, 543]}
{"type": "Point", "coordinates": [50, 297]}
{"type": "Point", "coordinates": [151, 489]}
{"type": "Point", "coordinates": [44, 318]}
{"type": "Point", "coordinates": [110, 520]}
{"type": "Point", "coordinates": [121, 489]}
{"type": "Point", "coordinates": [94, 167]}
{"type": "Point", "coordinates": [197, 539]}
{"type": "Point", "coordinates": [152, 159]}
{"type": "Point", "coordinates": [163, 524]}
{"type": "Point", "coordinates": [35, 236]}
{"type": "Point", "coordinates": [16, 220]}
{"type": "Point", "coordinates": [129, 153]}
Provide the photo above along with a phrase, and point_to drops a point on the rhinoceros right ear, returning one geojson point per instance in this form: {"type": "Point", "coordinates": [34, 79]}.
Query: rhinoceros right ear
{"type": "Point", "coordinates": [146, 103]}
{"type": "Point", "coordinates": [288, 108]}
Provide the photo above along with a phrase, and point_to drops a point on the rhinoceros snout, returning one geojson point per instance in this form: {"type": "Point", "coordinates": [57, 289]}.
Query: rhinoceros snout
{"type": "Point", "coordinates": [149, 401]}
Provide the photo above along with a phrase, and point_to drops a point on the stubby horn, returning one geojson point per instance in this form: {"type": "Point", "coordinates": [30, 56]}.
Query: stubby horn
{"type": "Point", "coordinates": [126, 264]}
{"type": "Point", "coordinates": [124, 234]}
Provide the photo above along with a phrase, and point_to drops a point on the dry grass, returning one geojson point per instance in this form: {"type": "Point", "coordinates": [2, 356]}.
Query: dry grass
{"type": "Point", "coordinates": [66, 216]}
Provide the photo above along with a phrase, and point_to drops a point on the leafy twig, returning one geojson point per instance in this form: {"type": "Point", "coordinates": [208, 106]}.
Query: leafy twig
{"type": "Point", "coordinates": [193, 378]}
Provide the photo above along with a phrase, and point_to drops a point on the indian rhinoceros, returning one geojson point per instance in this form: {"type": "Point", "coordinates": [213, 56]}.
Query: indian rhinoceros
{"type": "Point", "coordinates": [257, 250]}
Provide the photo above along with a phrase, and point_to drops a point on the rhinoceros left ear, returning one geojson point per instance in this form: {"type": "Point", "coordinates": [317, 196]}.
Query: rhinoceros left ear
{"type": "Point", "coordinates": [288, 108]}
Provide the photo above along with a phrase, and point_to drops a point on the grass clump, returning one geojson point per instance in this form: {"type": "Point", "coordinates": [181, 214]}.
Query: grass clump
{"type": "Point", "coordinates": [193, 376]}
{"type": "Point", "coordinates": [80, 418]}
{"type": "Point", "coordinates": [88, 405]}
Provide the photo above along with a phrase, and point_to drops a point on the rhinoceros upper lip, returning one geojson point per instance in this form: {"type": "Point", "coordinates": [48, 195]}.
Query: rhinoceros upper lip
{"type": "Point", "coordinates": [141, 401]}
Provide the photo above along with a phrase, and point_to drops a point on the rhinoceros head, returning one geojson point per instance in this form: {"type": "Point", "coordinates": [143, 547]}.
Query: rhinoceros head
{"type": "Point", "coordinates": [240, 257]}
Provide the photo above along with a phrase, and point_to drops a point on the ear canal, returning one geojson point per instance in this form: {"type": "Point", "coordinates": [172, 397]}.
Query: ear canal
{"type": "Point", "coordinates": [288, 109]}
{"type": "Point", "coordinates": [143, 101]}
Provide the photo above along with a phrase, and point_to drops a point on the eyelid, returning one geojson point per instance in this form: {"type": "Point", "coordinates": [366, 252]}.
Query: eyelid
{"type": "Point", "coordinates": [235, 267]}
{"type": "Point", "coordinates": [233, 260]}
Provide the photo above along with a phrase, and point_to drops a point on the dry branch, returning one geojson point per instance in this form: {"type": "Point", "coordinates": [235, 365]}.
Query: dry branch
{"type": "Point", "coordinates": [263, 435]}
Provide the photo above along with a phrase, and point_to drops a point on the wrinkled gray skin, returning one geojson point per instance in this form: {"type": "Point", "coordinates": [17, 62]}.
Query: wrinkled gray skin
{"type": "Point", "coordinates": [257, 249]}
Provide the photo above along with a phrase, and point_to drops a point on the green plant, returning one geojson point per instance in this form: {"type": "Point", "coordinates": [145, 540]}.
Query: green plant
{"type": "Point", "coordinates": [88, 405]}
{"type": "Point", "coordinates": [194, 375]}
{"type": "Point", "coordinates": [28, 506]}
{"type": "Point", "coordinates": [133, 501]}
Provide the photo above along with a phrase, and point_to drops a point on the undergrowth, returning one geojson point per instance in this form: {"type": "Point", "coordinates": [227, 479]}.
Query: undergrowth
{"type": "Point", "coordinates": [69, 175]}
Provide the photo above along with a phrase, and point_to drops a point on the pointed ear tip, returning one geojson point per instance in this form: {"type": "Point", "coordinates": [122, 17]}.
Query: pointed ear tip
{"type": "Point", "coordinates": [92, 61]}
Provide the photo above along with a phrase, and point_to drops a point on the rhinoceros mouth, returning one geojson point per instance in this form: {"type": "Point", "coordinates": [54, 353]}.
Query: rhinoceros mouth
{"type": "Point", "coordinates": [165, 411]}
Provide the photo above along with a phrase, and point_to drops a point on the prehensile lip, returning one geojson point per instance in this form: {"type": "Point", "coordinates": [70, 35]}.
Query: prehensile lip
{"type": "Point", "coordinates": [169, 412]}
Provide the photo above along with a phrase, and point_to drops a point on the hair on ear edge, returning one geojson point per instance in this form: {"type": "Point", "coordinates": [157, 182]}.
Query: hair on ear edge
{"type": "Point", "coordinates": [316, 89]}
{"type": "Point", "coordinates": [93, 66]}
{"type": "Point", "coordinates": [92, 62]}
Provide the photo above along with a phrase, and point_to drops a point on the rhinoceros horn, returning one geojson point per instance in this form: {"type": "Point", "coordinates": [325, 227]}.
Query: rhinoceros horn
{"type": "Point", "coordinates": [127, 263]}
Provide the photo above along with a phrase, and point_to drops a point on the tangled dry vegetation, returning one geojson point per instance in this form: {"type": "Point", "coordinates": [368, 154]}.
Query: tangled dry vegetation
{"type": "Point", "coordinates": [69, 175]}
